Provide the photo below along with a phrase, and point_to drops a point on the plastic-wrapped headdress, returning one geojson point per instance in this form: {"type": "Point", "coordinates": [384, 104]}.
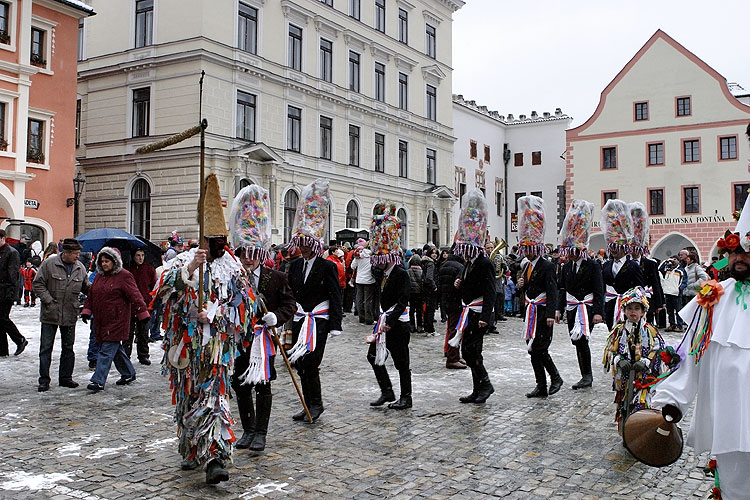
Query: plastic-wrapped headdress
{"type": "Point", "coordinates": [617, 226]}
{"type": "Point", "coordinates": [639, 215]}
{"type": "Point", "coordinates": [311, 216]}
{"type": "Point", "coordinates": [250, 222]}
{"type": "Point", "coordinates": [472, 225]}
{"type": "Point", "coordinates": [636, 295]}
{"type": "Point", "coordinates": [576, 228]}
{"type": "Point", "coordinates": [531, 222]}
{"type": "Point", "coordinates": [385, 239]}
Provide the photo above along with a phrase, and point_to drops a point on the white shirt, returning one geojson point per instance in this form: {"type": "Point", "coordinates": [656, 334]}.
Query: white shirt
{"type": "Point", "coordinates": [617, 265]}
{"type": "Point", "coordinates": [308, 266]}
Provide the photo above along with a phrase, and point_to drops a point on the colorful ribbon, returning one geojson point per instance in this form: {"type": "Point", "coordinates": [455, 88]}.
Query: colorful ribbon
{"type": "Point", "coordinates": [613, 295]}
{"type": "Point", "coordinates": [530, 320]}
{"type": "Point", "coordinates": [581, 326]}
{"type": "Point", "coordinates": [259, 368]}
{"type": "Point", "coordinates": [306, 341]}
{"type": "Point", "coordinates": [476, 306]}
{"type": "Point", "coordinates": [381, 353]}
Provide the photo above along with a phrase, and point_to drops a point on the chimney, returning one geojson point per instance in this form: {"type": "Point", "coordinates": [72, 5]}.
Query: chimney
{"type": "Point", "coordinates": [546, 114]}
{"type": "Point", "coordinates": [501, 117]}
{"type": "Point", "coordinates": [534, 115]}
{"type": "Point", "coordinates": [558, 112]}
{"type": "Point", "coordinates": [521, 117]}
{"type": "Point", "coordinates": [510, 117]}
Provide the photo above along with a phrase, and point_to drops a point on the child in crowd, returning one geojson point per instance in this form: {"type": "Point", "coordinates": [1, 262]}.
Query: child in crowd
{"type": "Point", "coordinates": [510, 291]}
{"type": "Point", "coordinates": [29, 273]}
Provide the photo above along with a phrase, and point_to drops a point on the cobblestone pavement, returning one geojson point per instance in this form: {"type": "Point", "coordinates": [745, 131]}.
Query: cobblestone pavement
{"type": "Point", "coordinates": [69, 443]}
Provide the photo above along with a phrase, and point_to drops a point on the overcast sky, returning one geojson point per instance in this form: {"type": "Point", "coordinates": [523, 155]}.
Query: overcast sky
{"type": "Point", "coordinates": [518, 56]}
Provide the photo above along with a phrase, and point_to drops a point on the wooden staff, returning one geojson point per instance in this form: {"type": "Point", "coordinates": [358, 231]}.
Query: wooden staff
{"type": "Point", "coordinates": [280, 347]}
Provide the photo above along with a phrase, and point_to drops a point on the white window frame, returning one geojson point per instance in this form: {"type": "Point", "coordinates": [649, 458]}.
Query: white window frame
{"type": "Point", "coordinates": [48, 27]}
{"type": "Point", "coordinates": [257, 5]}
{"type": "Point", "coordinates": [128, 196]}
{"type": "Point", "coordinates": [154, 23]}
{"type": "Point", "coordinates": [9, 97]}
{"type": "Point", "coordinates": [151, 117]}
{"type": "Point", "coordinates": [12, 22]}
{"type": "Point", "coordinates": [303, 47]}
{"type": "Point", "coordinates": [235, 118]}
{"type": "Point", "coordinates": [48, 118]}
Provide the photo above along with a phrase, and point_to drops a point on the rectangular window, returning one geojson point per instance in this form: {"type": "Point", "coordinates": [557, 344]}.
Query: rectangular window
{"type": "Point", "coordinates": [295, 47]}
{"type": "Point", "coordinates": [431, 103]}
{"type": "Point", "coordinates": [655, 202]}
{"type": "Point", "coordinates": [728, 147]}
{"type": "Point", "coordinates": [486, 153]}
{"type": "Point", "coordinates": [326, 137]}
{"type": "Point", "coordinates": [353, 71]}
{"type": "Point", "coordinates": [5, 20]}
{"type": "Point", "coordinates": [609, 158]}
{"type": "Point", "coordinates": [683, 106]}
{"type": "Point", "coordinates": [379, 82]}
{"type": "Point", "coordinates": [499, 203]}
{"type": "Point", "coordinates": [740, 195]}
{"type": "Point", "coordinates": [247, 32]}
{"type": "Point", "coordinates": [518, 159]}
{"type": "Point", "coordinates": [656, 154]}
{"type": "Point", "coordinates": [354, 7]}
{"type": "Point", "coordinates": [141, 112]}
{"type": "Point", "coordinates": [403, 26]}
{"type": "Point", "coordinates": [326, 60]}
{"type": "Point", "coordinates": [78, 121]}
{"type": "Point", "coordinates": [293, 129]}
{"type": "Point", "coordinates": [536, 193]}
{"type": "Point", "coordinates": [536, 158]}
{"type": "Point", "coordinates": [403, 91]}
{"type": "Point", "coordinates": [692, 200]}
{"type": "Point", "coordinates": [245, 116]}
{"type": "Point", "coordinates": [353, 145]}
{"type": "Point", "coordinates": [608, 195]}
{"type": "Point", "coordinates": [517, 196]}
{"type": "Point", "coordinates": [37, 48]}
{"type": "Point", "coordinates": [3, 142]}
{"type": "Point", "coordinates": [35, 150]}
{"type": "Point", "coordinates": [691, 151]}
{"type": "Point", "coordinates": [472, 149]}
{"type": "Point", "coordinates": [403, 159]}
{"type": "Point", "coordinates": [641, 111]}
{"type": "Point", "coordinates": [461, 192]}
{"type": "Point", "coordinates": [379, 152]}
{"type": "Point", "coordinates": [144, 22]}
{"type": "Point", "coordinates": [430, 41]}
{"type": "Point", "coordinates": [80, 36]}
{"type": "Point", "coordinates": [327, 2]}
{"type": "Point", "coordinates": [380, 15]}
{"type": "Point", "coordinates": [431, 166]}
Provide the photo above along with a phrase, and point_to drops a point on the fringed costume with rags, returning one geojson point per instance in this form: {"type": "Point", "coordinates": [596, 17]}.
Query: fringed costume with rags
{"type": "Point", "coordinates": [199, 358]}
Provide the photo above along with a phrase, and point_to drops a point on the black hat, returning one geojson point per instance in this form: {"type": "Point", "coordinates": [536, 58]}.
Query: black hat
{"type": "Point", "coordinates": [71, 245]}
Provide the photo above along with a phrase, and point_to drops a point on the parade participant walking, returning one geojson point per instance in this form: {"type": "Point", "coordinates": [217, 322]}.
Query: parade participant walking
{"type": "Point", "coordinates": [649, 268]}
{"type": "Point", "coordinates": [451, 270]}
{"type": "Point", "coordinates": [619, 273]}
{"type": "Point", "coordinates": [254, 368]}
{"type": "Point", "coordinates": [112, 298]}
{"type": "Point", "coordinates": [316, 290]}
{"type": "Point", "coordinates": [60, 279]}
{"type": "Point", "coordinates": [391, 333]}
{"type": "Point", "coordinates": [201, 344]}
{"type": "Point", "coordinates": [538, 287]}
{"type": "Point", "coordinates": [477, 286]}
{"type": "Point", "coordinates": [9, 280]}
{"type": "Point", "coordinates": [581, 293]}
{"type": "Point", "coordinates": [145, 279]}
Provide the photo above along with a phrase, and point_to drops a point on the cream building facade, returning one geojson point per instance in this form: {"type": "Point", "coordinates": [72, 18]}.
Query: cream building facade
{"type": "Point", "coordinates": [357, 92]}
{"type": "Point", "coordinates": [669, 133]}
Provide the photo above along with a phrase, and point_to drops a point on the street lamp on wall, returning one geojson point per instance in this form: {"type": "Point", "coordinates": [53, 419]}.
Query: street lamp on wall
{"type": "Point", "coordinates": [78, 182]}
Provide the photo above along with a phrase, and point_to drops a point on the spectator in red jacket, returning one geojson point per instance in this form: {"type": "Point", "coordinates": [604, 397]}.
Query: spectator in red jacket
{"type": "Point", "coordinates": [145, 279]}
{"type": "Point", "coordinates": [28, 273]}
{"type": "Point", "coordinates": [337, 257]}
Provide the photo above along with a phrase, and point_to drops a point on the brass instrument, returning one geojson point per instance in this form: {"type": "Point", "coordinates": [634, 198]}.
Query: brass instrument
{"type": "Point", "coordinates": [499, 245]}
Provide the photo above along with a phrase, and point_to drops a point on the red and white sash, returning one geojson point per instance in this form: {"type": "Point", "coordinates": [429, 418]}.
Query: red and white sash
{"type": "Point", "coordinates": [581, 326]}
{"type": "Point", "coordinates": [381, 353]}
{"type": "Point", "coordinates": [529, 332]}
{"type": "Point", "coordinates": [613, 295]}
{"type": "Point", "coordinates": [476, 306]}
{"type": "Point", "coordinates": [306, 341]}
{"type": "Point", "coordinates": [259, 368]}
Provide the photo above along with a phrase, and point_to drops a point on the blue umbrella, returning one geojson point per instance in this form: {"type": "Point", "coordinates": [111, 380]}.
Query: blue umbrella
{"type": "Point", "coordinates": [94, 240]}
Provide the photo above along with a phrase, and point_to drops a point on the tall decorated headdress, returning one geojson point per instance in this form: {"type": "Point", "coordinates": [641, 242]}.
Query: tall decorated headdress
{"type": "Point", "coordinates": [385, 239]}
{"type": "Point", "coordinates": [312, 216]}
{"type": "Point", "coordinates": [576, 228]}
{"type": "Point", "coordinates": [251, 222]}
{"type": "Point", "coordinates": [531, 224]}
{"type": "Point", "coordinates": [472, 225]}
{"type": "Point", "coordinates": [213, 213]}
{"type": "Point", "coordinates": [617, 226]}
{"type": "Point", "coordinates": [739, 240]}
{"type": "Point", "coordinates": [639, 215]}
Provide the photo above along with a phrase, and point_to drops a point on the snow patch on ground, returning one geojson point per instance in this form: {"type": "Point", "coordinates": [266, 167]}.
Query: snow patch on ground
{"type": "Point", "coordinates": [73, 449]}
{"type": "Point", "coordinates": [261, 489]}
{"type": "Point", "coordinates": [20, 480]}
{"type": "Point", "coordinates": [160, 444]}
{"type": "Point", "coordinates": [104, 452]}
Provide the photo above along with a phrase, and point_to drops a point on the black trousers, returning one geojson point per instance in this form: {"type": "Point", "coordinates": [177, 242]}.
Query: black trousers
{"type": "Point", "coordinates": [540, 358]}
{"type": "Point", "coordinates": [397, 343]}
{"type": "Point", "coordinates": [583, 352]}
{"type": "Point", "coordinates": [472, 345]}
{"type": "Point", "coordinates": [8, 328]}
{"type": "Point", "coordinates": [429, 311]}
{"type": "Point", "coordinates": [140, 333]}
{"type": "Point", "coordinates": [308, 366]}
{"type": "Point", "coordinates": [415, 310]}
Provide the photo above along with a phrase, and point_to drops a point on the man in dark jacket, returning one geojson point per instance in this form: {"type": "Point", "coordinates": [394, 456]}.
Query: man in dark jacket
{"type": "Point", "coordinates": [429, 287]}
{"type": "Point", "coordinates": [451, 270]}
{"type": "Point", "coordinates": [57, 284]}
{"type": "Point", "coordinates": [145, 278]}
{"type": "Point", "coordinates": [619, 274]}
{"type": "Point", "coordinates": [9, 275]}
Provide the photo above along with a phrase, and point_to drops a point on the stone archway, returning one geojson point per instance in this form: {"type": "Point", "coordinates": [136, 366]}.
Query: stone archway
{"type": "Point", "coordinates": [671, 244]}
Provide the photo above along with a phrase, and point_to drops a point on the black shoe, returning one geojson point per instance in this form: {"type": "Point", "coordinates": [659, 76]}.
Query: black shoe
{"type": "Point", "coordinates": [403, 403]}
{"type": "Point", "coordinates": [33, 304]}
{"type": "Point", "coordinates": [43, 388]}
{"type": "Point", "coordinates": [189, 464]}
{"type": "Point", "coordinates": [92, 365]}
{"type": "Point", "coordinates": [20, 348]}
{"type": "Point", "coordinates": [555, 385]}
{"type": "Point", "coordinates": [258, 443]}
{"type": "Point", "coordinates": [385, 397]}
{"type": "Point", "coordinates": [93, 386]}
{"type": "Point", "coordinates": [26, 305]}
{"type": "Point", "coordinates": [539, 391]}
{"type": "Point", "coordinates": [244, 442]}
{"type": "Point", "coordinates": [485, 390]}
{"type": "Point", "coordinates": [468, 399]}
{"type": "Point", "coordinates": [298, 417]}
{"type": "Point", "coordinates": [144, 361]}
{"type": "Point", "coordinates": [316, 411]}
{"type": "Point", "coordinates": [68, 383]}
{"type": "Point", "coordinates": [215, 472]}
{"type": "Point", "coordinates": [586, 381]}
{"type": "Point", "coordinates": [420, 329]}
{"type": "Point", "coordinates": [503, 318]}
{"type": "Point", "coordinates": [125, 380]}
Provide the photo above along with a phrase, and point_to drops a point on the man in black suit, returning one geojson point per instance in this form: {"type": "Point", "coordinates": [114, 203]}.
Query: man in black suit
{"type": "Point", "coordinates": [649, 268]}
{"type": "Point", "coordinates": [620, 273]}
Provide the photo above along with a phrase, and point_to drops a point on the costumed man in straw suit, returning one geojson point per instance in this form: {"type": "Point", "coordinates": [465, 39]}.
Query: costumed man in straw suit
{"type": "Point", "coordinates": [716, 367]}
{"type": "Point", "coordinates": [315, 285]}
{"type": "Point", "coordinates": [392, 331]}
{"type": "Point", "coordinates": [251, 238]}
{"type": "Point", "coordinates": [649, 268]}
{"type": "Point", "coordinates": [477, 286]}
{"type": "Point", "coordinates": [619, 273]}
{"type": "Point", "coordinates": [201, 344]}
{"type": "Point", "coordinates": [539, 287]}
{"type": "Point", "coordinates": [581, 293]}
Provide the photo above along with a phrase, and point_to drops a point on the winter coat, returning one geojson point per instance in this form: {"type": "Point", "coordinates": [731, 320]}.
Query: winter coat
{"type": "Point", "coordinates": [510, 289]}
{"type": "Point", "coordinates": [28, 273]}
{"type": "Point", "coordinates": [113, 298]}
{"type": "Point", "coordinates": [361, 265]}
{"type": "Point", "coordinates": [429, 276]}
{"type": "Point", "coordinates": [695, 274]}
{"type": "Point", "coordinates": [58, 292]}
{"type": "Point", "coordinates": [415, 276]}
{"type": "Point", "coordinates": [145, 278]}
{"type": "Point", "coordinates": [672, 278]}
{"type": "Point", "coordinates": [339, 269]}
{"type": "Point", "coordinates": [450, 271]}
{"type": "Point", "coordinates": [9, 267]}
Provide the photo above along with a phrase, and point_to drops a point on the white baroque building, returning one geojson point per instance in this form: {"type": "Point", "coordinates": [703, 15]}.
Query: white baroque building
{"type": "Point", "coordinates": [355, 91]}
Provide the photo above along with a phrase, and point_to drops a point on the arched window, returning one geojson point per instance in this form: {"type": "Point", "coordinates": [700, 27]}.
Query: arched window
{"type": "Point", "coordinates": [401, 214]}
{"type": "Point", "coordinates": [140, 209]}
{"type": "Point", "coordinates": [244, 183]}
{"type": "Point", "coordinates": [290, 207]}
{"type": "Point", "coordinates": [433, 229]}
{"type": "Point", "coordinates": [352, 214]}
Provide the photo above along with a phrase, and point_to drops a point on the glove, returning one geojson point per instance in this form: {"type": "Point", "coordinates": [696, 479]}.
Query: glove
{"type": "Point", "coordinates": [85, 318]}
{"type": "Point", "coordinates": [143, 323]}
{"type": "Point", "coordinates": [640, 366]}
{"type": "Point", "coordinates": [269, 319]}
{"type": "Point", "coordinates": [334, 333]}
{"type": "Point", "coordinates": [671, 413]}
{"type": "Point", "coordinates": [623, 365]}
